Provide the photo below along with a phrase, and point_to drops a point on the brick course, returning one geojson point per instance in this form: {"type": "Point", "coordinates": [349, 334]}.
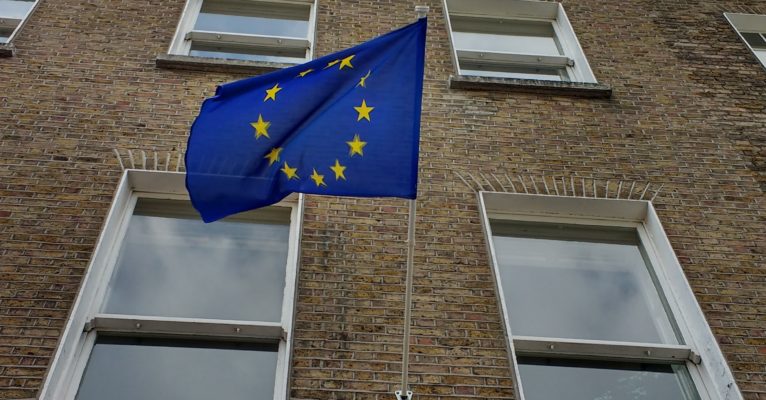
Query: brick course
{"type": "Point", "coordinates": [688, 110]}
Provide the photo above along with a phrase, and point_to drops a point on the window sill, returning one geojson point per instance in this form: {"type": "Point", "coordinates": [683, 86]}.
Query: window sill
{"type": "Point", "coordinates": [7, 50]}
{"type": "Point", "coordinates": [578, 89]}
{"type": "Point", "coordinates": [174, 61]}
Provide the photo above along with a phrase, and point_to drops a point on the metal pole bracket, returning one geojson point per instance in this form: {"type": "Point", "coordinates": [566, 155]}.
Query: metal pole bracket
{"type": "Point", "coordinates": [403, 396]}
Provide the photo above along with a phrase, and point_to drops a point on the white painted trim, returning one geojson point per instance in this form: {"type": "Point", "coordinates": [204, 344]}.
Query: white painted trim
{"type": "Point", "coordinates": [581, 71]}
{"type": "Point", "coordinates": [186, 327]}
{"type": "Point", "coordinates": [79, 337]}
{"type": "Point", "coordinates": [712, 376]}
{"type": "Point", "coordinates": [500, 296]}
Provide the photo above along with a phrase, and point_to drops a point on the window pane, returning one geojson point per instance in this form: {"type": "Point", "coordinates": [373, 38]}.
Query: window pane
{"type": "Point", "coordinates": [508, 44]}
{"type": "Point", "coordinates": [15, 8]}
{"type": "Point", "coordinates": [755, 40]}
{"type": "Point", "coordinates": [504, 35]}
{"type": "Point", "coordinates": [148, 369]}
{"type": "Point", "coordinates": [290, 20]}
{"type": "Point", "coordinates": [578, 283]}
{"type": "Point", "coordinates": [761, 54]}
{"type": "Point", "coordinates": [172, 264]}
{"type": "Point", "coordinates": [545, 379]}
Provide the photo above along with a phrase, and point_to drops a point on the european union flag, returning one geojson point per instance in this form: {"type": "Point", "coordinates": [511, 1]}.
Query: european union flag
{"type": "Point", "coordinates": [346, 124]}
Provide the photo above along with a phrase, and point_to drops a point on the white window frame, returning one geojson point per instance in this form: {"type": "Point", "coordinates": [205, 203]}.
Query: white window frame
{"type": "Point", "coordinates": [573, 61]}
{"type": "Point", "coordinates": [748, 23]}
{"type": "Point", "coordinates": [86, 320]}
{"type": "Point", "coordinates": [701, 355]}
{"type": "Point", "coordinates": [15, 23]}
{"type": "Point", "coordinates": [185, 33]}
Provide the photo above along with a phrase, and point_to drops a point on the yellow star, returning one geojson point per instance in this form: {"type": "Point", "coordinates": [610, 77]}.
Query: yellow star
{"type": "Point", "coordinates": [346, 62]}
{"type": "Point", "coordinates": [290, 172]}
{"type": "Point", "coordinates": [356, 146]}
{"type": "Point", "coordinates": [364, 111]}
{"type": "Point", "coordinates": [261, 127]}
{"type": "Point", "coordinates": [363, 80]}
{"type": "Point", "coordinates": [273, 156]}
{"type": "Point", "coordinates": [338, 169]}
{"type": "Point", "coordinates": [272, 93]}
{"type": "Point", "coordinates": [318, 179]}
{"type": "Point", "coordinates": [331, 63]}
{"type": "Point", "coordinates": [306, 72]}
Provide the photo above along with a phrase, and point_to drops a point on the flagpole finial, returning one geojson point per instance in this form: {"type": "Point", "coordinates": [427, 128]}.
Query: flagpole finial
{"type": "Point", "coordinates": [421, 11]}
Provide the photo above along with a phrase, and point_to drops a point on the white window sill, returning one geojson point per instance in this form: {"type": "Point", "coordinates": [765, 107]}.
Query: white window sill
{"type": "Point", "coordinates": [577, 89]}
{"type": "Point", "coordinates": [174, 61]}
{"type": "Point", "coordinates": [7, 50]}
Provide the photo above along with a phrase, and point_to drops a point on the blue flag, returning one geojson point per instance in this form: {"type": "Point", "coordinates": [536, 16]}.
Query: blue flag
{"type": "Point", "coordinates": [347, 124]}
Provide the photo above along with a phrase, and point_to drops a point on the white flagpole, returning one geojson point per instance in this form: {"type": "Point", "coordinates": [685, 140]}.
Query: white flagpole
{"type": "Point", "coordinates": [404, 393]}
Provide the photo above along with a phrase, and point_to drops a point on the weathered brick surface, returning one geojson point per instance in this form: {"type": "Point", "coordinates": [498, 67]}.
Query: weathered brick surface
{"type": "Point", "coordinates": [688, 110]}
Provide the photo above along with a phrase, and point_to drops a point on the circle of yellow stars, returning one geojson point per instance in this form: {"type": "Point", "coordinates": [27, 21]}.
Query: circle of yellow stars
{"type": "Point", "coordinates": [355, 145]}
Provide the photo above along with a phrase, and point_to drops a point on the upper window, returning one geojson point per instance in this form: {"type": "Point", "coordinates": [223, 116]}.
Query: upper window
{"type": "Point", "coordinates": [177, 307]}
{"type": "Point", "coordinates": [515, 39]}
{"type": "Point", "coordinates": [752, 29]}
{"type": "Point", "coordinates": [12, 14]}
{"type": "Point", "coordinates": [273, 31]}
{"type": "Point", "coordinates": [595, 304]}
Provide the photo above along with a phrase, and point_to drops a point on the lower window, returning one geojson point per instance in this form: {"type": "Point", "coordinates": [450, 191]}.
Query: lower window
{"type": "Point", "coordinates": [173, 308]}
{"type": "Point", "coordinates": [592, 307]}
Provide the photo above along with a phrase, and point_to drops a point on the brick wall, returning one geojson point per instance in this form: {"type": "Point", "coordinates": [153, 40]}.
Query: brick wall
{"type": "Point", "coordinates": [688, 110]}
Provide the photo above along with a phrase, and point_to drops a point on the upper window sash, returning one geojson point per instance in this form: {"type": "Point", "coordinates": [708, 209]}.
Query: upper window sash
{"type": "Point", "coordinates": [751, 28]}
{"type": "Point", "coordinates": [493, 17]}
{"type": "Point", "coordinates": [187, 36]}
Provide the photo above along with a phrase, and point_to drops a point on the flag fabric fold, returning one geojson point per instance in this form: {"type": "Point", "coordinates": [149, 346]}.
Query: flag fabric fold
{"type": "Point", "coordinates": [346, 124]}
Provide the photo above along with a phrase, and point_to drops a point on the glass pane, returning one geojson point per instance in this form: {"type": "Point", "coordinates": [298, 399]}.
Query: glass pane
{"type": "Point", "coordinates": [243, 53]}
{"type": "Point", "coordinates": [506, 43]}
{"type": "Point", "coordinates": [571, 282]}
{"type": "Point", "coordinates": [545, 379]}
{"type": "Point", "coordinates": [148, 369]}
{"type": "Point", "coordinates": [761, 54]}
{"type": "Point", "coordinates": [15, 8]}
{"type": "Point", "coordinates": [172, 264]}
{"type": "Point", "coordinates": [5, 34]}
{"type": "Point", "coordinates": [272, 19]}
{"type": "Point", "coordinates": [755, 40]}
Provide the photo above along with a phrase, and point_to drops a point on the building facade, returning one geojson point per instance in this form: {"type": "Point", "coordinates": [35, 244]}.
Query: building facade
{"type": "Point", "coordinates": [590, 218]}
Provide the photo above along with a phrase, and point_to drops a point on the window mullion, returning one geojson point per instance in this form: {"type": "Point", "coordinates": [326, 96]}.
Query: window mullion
{"type": "Point", "coordinates": [603, 350]}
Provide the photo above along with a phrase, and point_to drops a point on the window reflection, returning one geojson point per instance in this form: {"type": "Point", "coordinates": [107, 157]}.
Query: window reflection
{"type": "Point", "coordinates": [147, 369]}
{"type": "Point", "coordinates": [568, 283]}
{"type": "Point", "coordinates": [172, 264]}
{"type": "Point", "coordinates": [601, 380]}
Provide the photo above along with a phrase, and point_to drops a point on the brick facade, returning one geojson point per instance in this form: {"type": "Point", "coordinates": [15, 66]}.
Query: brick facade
{"type": "Point", "coordinates": [688, 110]}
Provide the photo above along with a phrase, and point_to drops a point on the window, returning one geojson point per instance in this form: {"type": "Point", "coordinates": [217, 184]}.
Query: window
{"type": "Point", "coordinates": [12, 14]}
{"type": "Point", "coordinates": [752, 29]}
{"type": "Point", "coordinates": [595, 303]}
{"type": "Point", "coordinates": [175, 308]}
{"type": "Point", "coordinates": [272, 31]}
{"type": "Point", "coordinates": [515, 39]}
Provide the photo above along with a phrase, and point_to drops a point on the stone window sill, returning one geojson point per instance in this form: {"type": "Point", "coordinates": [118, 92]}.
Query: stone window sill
{"type": "Point", "coordinates": [577, 89]}
{"type": "Point", "coordinates": [174, 61]}
{"type": "Point", "coordinates": [7, 50]}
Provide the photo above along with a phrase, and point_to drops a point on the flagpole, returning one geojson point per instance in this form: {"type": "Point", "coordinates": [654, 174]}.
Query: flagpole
{"type": "Point", "coordinates": [404, 393]}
